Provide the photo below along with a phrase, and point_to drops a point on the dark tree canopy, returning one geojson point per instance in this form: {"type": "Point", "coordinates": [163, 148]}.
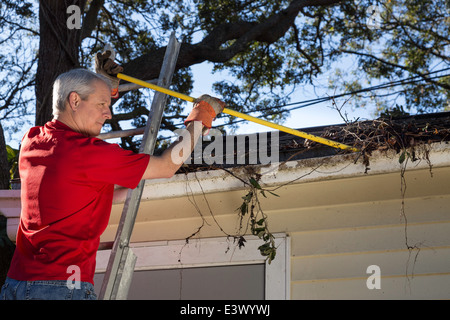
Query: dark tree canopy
{"type": "Point", "coordinates": [268, 47]}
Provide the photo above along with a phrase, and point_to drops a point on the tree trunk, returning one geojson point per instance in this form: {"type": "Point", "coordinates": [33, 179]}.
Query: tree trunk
{"type": "Point", "coordinates": [58, 50]}
{"type": "Point", "coordinates": [6, 246]}
{"type": "Point", "coordinates": [4, 166]}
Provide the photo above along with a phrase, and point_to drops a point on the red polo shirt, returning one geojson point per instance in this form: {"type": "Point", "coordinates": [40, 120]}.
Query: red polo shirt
{"type": "Point", "coordinates": [67, 182]}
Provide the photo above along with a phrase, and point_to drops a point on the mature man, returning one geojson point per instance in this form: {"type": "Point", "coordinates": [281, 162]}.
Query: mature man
{"type": "Point", "coordinates": [68, 178]}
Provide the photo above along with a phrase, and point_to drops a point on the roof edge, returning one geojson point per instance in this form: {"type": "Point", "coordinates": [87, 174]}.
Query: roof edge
{"type": "Point", "coordinates": [297, 171]}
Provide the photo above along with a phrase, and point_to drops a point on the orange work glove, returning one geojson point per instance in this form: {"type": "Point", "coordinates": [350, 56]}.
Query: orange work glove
{"type": "Point", "coordinates": [206, 108]}
{"type": "Point", "coordinates": [105, 66]}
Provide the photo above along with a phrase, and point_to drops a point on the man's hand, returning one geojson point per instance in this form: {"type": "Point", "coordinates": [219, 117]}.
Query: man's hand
{"type": "Point", "coordinates": [106, 66]}
{"type": "Point", "coordinates": [215, 103]}
{"type": "Point", "coordinates": [206, 109]}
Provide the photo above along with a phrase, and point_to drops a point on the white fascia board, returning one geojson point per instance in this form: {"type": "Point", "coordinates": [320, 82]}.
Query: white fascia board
{"type": "Point", "coordinates": [314, 169]}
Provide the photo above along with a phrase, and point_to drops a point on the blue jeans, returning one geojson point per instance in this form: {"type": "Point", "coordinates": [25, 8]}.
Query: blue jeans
{"type": "Point", "coordinates": [46, 290]}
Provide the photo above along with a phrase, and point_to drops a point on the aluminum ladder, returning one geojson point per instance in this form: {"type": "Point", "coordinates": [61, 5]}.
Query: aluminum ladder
{"type": "Point", "coordinates": [119, 272]}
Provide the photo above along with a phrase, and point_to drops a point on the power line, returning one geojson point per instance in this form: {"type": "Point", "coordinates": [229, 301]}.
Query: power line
{"type": "Point", "coordinates": [310, 102]}
{"type": "Point", "coordinates": [410, 80]}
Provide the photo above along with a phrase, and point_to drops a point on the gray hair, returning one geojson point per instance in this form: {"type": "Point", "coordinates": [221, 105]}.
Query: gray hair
{"type": "Point", "coordinates": [75, 80]}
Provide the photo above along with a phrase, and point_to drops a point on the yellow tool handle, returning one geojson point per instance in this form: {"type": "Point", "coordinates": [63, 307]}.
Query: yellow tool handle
{"type": "Point", "coordinates": [155, 87]}
{"type": "Point", "coordinates": [242, 115]}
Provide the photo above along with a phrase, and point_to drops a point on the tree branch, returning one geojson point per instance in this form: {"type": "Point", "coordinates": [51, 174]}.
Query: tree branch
{"type": "Point", "coordinates": [210, 48]}
{"type": "Point", "coordinates": [136, 112]}
{"type": "Point", "coordinates": [303, 53]}
{"type": "Point", "coordinates": [90, 19]}
{"type": "Point", "coordinates": [395, 65]}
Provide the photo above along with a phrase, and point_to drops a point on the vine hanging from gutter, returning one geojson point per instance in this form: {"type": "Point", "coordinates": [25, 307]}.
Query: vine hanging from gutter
{"type": "Point", "coordinates": [409, 137]}
{"type": "Point", "coordinates": [250, 214]}
{"type": "Point", "coordinates": [257, 219]}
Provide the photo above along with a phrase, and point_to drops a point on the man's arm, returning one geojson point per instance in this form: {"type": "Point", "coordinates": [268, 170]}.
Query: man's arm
{"type": "Point", "coordinates": [205, 110]}
{"type": "Point", "coordinates": [165, 165]}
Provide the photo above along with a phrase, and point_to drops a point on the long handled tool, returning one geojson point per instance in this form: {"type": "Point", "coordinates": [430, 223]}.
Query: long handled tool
{"type": "Point", "coordinates": [298, 133]}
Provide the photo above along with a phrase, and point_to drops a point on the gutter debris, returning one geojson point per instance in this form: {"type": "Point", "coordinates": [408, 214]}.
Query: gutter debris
{"type": "Point", "coordinates": [382, 134]}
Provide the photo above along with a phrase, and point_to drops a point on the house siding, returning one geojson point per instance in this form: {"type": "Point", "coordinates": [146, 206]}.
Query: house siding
{"type": "Point", "coordinates": [332, 264]}
{"type": "Point", "coordinates": [337, 228]}
{"type": "Point", "coordinates": [339, 221]}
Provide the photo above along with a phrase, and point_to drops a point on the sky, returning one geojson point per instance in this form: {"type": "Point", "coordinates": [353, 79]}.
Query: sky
{"type": "Point", "coordinates": [311, 116]}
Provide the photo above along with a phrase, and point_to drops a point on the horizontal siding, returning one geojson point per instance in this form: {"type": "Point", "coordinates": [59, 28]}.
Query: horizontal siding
{"type": "Point", "coordinates": [332, 264]}
{"type": "Point", "coordinates": [426, 287]}
{"type": "Point", "coordinates": [337, 229]}
{"type": "Point", "coordinates": [370, 238]}
{"type": "Point", "coordinates": [391, 263]}
{"type": "Point", "coordinates": [181, 223]}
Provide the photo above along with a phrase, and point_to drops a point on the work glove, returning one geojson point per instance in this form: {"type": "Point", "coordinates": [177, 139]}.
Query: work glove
{"type": "Point", "coordinates": [105, 65]}
{"type": "Point", "coordinates": [206, 109]}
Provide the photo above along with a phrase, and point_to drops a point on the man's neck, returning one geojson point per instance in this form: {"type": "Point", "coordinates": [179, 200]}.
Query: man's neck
{"type": "Point", "coordinates": [68, 121]}
{"type": "Point", "coordinates": [66, 118]}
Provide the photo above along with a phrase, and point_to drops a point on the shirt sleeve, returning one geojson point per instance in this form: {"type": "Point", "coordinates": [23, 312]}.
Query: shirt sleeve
{"type": "Point", "coordinates": [106, 162]}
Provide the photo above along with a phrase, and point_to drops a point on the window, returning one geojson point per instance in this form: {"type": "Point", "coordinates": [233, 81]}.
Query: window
{"type": "Point", "coordinates": [212, 268]}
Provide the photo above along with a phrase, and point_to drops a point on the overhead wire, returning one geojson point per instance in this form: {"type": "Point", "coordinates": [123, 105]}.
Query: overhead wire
{"type": "Point", "coordinates": [310, 102]}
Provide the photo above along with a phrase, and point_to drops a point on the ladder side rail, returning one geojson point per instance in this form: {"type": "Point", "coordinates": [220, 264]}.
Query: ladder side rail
{"type": "Point", "coordinates": [112, 282]}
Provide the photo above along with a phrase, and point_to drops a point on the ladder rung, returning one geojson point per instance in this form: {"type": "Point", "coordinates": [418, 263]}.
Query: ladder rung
{"type": "Point", "coordinates": [121, 133]}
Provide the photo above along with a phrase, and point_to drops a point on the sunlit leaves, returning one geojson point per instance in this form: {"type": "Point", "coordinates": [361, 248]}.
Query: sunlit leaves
{"type": "Point", "coordinates": [257, 220]}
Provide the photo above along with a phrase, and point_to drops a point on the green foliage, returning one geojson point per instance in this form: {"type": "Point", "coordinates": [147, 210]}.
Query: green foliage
{"type": "Point", "coordinates": [20, 8]}
{"type": "Point", "coordinates": [257, 220]}
{"type": "Point", "coordinates": [395, 112]}
{"type": "Point", "coordinates": [214, 12]}
{"type": "Point", "coordinates": [13, 158]}
{"type": "Point", "coordinates": [17, 63]}
{"type": "Point", "coordinates": [403, 156]}
{"type": "Point", "coordinates": [408, 40]}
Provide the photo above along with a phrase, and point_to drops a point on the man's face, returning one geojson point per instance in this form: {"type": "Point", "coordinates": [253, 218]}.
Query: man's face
{"type": "Point", "coordinates": [91, 114]}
